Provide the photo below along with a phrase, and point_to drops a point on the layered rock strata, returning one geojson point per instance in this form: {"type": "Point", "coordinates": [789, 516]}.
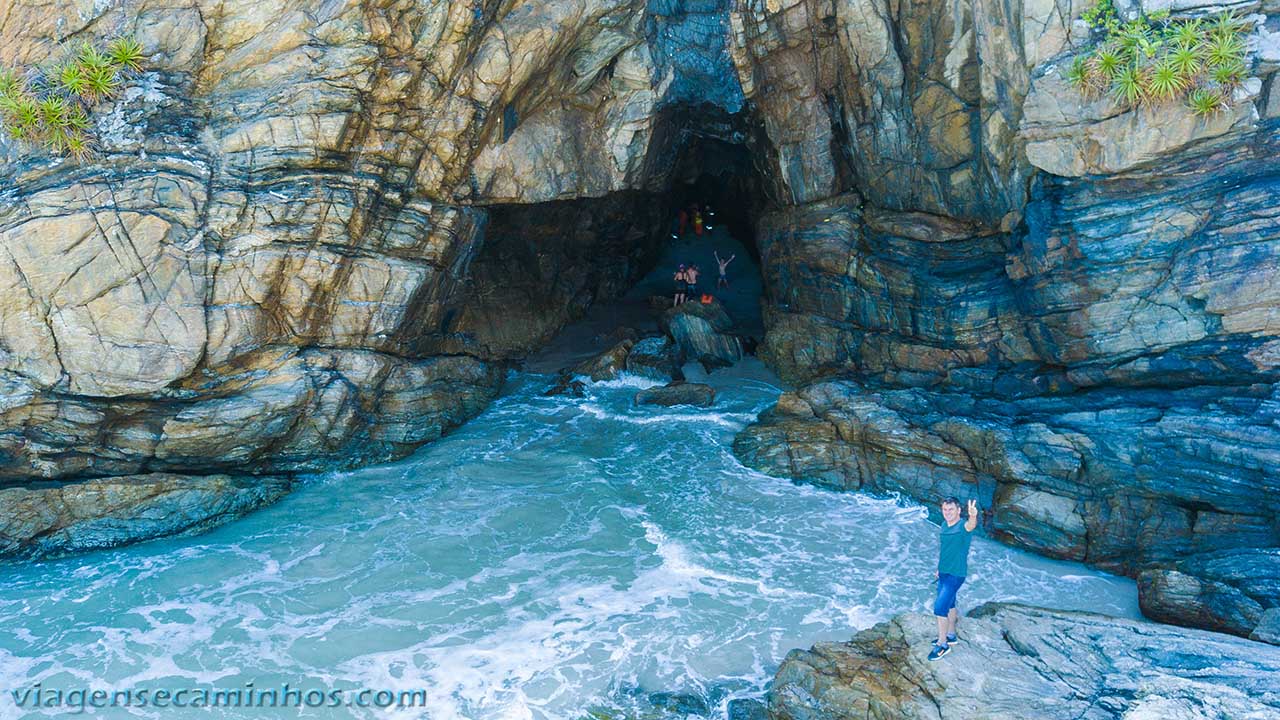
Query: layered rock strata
{"type": "Point", "coordinates": [312, 236]}
{"type": "Point", "coordinates": [282, 258]}
{"type": "Point", "coordinates": [1056, 304]}
{"type": "Point", "coordinates": [48, 519]}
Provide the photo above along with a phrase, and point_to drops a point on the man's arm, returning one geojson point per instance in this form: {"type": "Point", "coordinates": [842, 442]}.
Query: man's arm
{"type": "Point", "coordinates": [972, 522]}
{"type": "Point", "coordinates": [717, 254]}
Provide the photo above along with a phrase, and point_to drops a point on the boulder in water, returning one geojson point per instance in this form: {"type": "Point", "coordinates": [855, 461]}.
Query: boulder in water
{"type": "Point", "coordinates": [748, 709]}
{"type": "Point", "coordinates": [657, 358]}
{"type": "Point", "coordinates": [678, 394]}
{"type": "Point", "coordinates": [607, 364]}
{"type": "Point", "coordinates": [566, 385]}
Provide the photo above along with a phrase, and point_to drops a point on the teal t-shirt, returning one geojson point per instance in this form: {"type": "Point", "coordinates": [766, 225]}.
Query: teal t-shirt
{"type": "Point", "coordinates": [953, 553]}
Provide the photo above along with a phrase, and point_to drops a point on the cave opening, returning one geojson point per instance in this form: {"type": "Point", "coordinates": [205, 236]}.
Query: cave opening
{"type": "Point", "coordinates": [602, 265]}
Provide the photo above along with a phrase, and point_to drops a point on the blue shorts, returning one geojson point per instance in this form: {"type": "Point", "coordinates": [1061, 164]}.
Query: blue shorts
{"type": "Point", "coordinates": [948, 585]}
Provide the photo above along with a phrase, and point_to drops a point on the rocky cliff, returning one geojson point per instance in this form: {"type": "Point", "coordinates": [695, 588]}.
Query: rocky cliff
{"type": "Point", "coordinates": [316, 234]}
{"type": "Point", "coordinates": [311, 236]}
{"type": "Point", "coordinates": [1060, 306]}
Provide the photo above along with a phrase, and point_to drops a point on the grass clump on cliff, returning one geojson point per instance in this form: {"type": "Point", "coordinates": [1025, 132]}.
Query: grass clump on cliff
{"type": "Point", "coordinates": [1154, 59]}
{"type": "Point", "coordinates": [50, 105]}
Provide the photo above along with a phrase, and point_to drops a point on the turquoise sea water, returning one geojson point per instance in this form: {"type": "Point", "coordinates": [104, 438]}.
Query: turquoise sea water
{"type": "Point", "coordinates": [552, 557]}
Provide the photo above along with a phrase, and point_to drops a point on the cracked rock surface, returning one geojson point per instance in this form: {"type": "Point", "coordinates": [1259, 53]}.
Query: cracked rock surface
{"type": "Point", "coordinates": [1017, 661]}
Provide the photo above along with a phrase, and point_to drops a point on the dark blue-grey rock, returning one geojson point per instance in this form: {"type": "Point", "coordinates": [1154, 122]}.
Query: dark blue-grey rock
{"type": "Point", "coordinates": [1230, 591]}
{"type": "Point", "coordinates": [1021, 662]}
{"type": "Point", "coordinates": [697, 394]}
{"type": "Point", "coordinates": [748, 709]}
{"type": "Point", "coordinates": [607, 365]}
{"type": "Point", "coordinates": [684, 704]}
{"type": "Point", "coordinates": [701, 332]}
{"type": "Point", "coordinates": [657, 358]}
{"type": "Point", "coordinates": [1268, 628]}
{"type": "Point", "coordinates": [56, 518]}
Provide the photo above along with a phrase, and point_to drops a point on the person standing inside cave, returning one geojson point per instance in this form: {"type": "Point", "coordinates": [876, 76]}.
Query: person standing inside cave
{"type": "Point", "coordinates": [691, 276]}
{"type": "Point", "coordinates": [682, 282]}
{"type": "Point", "coordinates": [684, 221]}
{"type": "Point", "coordinates": [723, 282]}
{"type": "Point", "coordinates": [697, 221]}
{"type": "Point", "coordinates": [953, 565]}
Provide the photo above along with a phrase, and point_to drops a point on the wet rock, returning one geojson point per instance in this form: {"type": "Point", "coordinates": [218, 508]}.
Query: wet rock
{"type": "Point", "coordinates": [1019, 661]}
{"type": "Point", "coordinates": [700, 330]}
{"type": "Point", "coordinates": [677, 394]}
{"type": "Point", "coordinates": [607, 365]}
{"type": "Point", "coordinates": [657, 358]}
{"type": "Point", "coordinates": [52, 519]}
{"type": "Point", "coordinates": [747, 709]}
{"type": "Point", "coordinates": [280, 410]}
{"type": "Point", "coordinates": [566, 385]}
{"type": "Point", "coordinates": [683, 703]}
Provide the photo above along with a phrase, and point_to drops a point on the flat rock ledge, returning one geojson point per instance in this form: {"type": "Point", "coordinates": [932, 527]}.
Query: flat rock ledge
{"type": "Point", "coordinates": [1017, 662]}
{"type": "Point", "coordinates": [46, 520]}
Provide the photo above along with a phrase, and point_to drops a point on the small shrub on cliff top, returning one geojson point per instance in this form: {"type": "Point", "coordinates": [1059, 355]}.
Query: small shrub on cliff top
{"type": "Point", "coordinates": [1153, 58]}
{"type": "Point", "coordinates": [50, 105]}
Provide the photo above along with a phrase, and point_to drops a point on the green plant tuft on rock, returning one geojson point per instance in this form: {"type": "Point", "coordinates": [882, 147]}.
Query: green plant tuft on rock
{"type": "Point", "coordinates": [1129, 87]}
{"type": "Point", "coordinates": [1080, 73]}
{"type": "Point", "coordinates": [1155, 58]}
{"type": "Point", "coordinates": [50, 105]}
{"type": "Point", "coordinates": [1225, 50]}
{"type": "Point", "coordinates": [126, 53]}
{"type": "Point", "coordinates": [1109, 63]}
{"type": "Point", "coordinates": [1166, 81]}
{"type": "Point", "coordinates": [1205, 102]}
{"type": "Point", "coordinates": [1187, 60]}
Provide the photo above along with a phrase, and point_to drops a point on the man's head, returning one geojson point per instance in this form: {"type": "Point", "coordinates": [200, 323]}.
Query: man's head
{"type": "Point", "coordinates": [951, 510]}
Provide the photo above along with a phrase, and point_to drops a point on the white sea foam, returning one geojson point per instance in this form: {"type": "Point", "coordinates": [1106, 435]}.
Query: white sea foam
{"type": "Point", "coordinates": [552, 556]}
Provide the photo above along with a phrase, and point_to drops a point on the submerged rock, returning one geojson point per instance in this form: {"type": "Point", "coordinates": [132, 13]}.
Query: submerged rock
{"type": "Point", "coordinates": [679, 393]}
{"type": "Point", "coordinates": [683, 704]}
{"type": "Point", "coordinates": [747, 709]}
{"type": "Point", "coordinates": [1017, 662]}
{"type": "Point", "coordinates": [566, 385]}
{"type": "Point", "coordinates": [52, 519]}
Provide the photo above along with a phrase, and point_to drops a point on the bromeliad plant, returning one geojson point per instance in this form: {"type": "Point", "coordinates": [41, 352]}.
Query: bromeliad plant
{"type": "Point", "coordinates": [1155, 59]}
{"type": "Point", "coordinates": [50, 105]}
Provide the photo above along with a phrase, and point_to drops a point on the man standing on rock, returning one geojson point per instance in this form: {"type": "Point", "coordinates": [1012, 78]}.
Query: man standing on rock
{"type": "Point", "coordinates": [724, 266]}
{"type": "Point", "coordinates": [953, 565]}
